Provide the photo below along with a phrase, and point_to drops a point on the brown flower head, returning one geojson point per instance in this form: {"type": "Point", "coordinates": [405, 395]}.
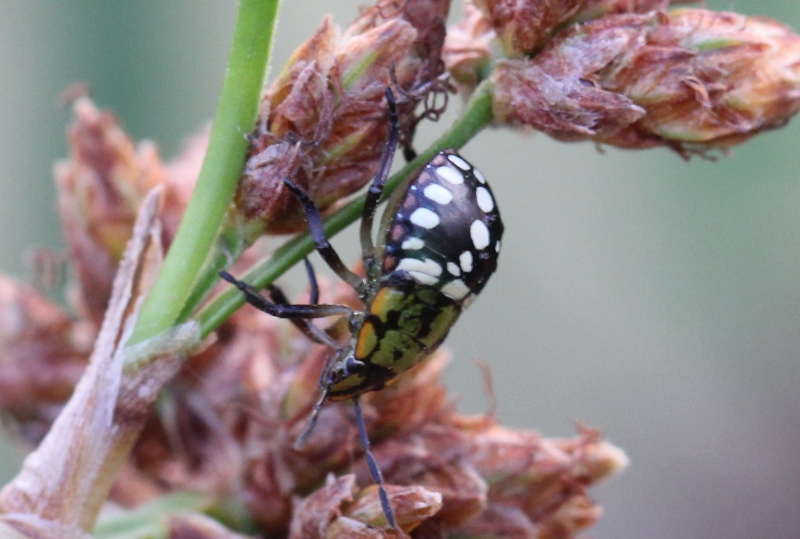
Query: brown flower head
{"type": "Point", "coordinates": [693, 79]}
{"type": "Point", "coordinates": [493, 30]}
{"type": "Point", "coordinates": [524, 27]}
{"type": "Point", "coordinates": [323, 121]}
{"type": "Point", "coordinates": [228, 423]}
{"type": "Point", "coordinates": [708, 78]}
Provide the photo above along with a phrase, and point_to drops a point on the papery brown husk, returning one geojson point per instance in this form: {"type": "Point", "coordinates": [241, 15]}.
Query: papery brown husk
{"type": "Point", "coordinates": [468, 48]}
{"type": "Point", "coordinates": [44, 354]}
{"type": "Point", "coordinates": [100, 188]}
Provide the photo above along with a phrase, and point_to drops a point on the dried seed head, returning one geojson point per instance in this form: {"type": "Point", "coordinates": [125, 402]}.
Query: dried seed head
{"type": "Point", "coordinates": [540, 484]}
{"type": "Point", "coordinates": [525, 26]}
{"type": "Point", "coordinates": [227, 427]}
{"type": "Point", "coordinates": [570, 519]}
{"type": "Point", "coordinates": [323, 121]}
{"type": "Point", "coordinates": [502, 29]}
{"type": "Point", "coordinates": [692, 80]}
{"type": "Point", "coordinates": [342, 510]}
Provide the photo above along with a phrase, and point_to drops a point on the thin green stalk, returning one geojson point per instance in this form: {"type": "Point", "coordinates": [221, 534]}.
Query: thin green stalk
{"type": "Point", "coordinates": [476, 116]}
{"type": "Point", "coordinates": [222, 166]}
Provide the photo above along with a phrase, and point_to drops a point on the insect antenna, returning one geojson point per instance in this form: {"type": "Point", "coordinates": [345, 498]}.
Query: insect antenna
{"type": "Point", "coordinates": [323, 246]}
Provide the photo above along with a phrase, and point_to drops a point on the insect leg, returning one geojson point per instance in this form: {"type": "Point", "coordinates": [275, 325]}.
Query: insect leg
{"type": "Point", "coordinates": [377, 476]}
{"type": "Point", "coordinates": [312, 282]}
{"type": "Point", "coordinates": [371, 266]}
{"type": "Point", "coordinates": [312, 419]}
{"type": "Point", "coordinates": [306, 326]}
{"type": "Point", "coordinates": [282, 310]}
{"type": "Point", "coordinates": [324, 247]}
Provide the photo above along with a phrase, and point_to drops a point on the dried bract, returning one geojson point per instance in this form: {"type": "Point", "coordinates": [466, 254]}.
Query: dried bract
{"type": "Point", "coordinates": [342, 510]}
{"type": "Point", "coordinates": [323, 121]}
{"type": "Point", "coordinates": [539, 484]}
{"type": "Point", "coordinates": [599, 8]}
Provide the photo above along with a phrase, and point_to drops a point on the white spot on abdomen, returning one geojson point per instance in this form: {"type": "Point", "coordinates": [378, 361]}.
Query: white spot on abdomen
{"type": "Point", "coordinates": [479, 234]}
{"type": "Point", "coordinates": [457, 161]}
{"type": "Point", "coordinates": [425, 218]}
{"type": "Point", "coordinates": [426, 266]}
{"type": "Point", "coordinates": [450, 174]}
{"type": "Point", "coordinates": [413, 244]}
{"type": "Point", "coordinates": [456, 290]}
{"type": "Point", "coordinates": [485, 200]}
{"type": "Point", "coordinates": [438, 194]}
{"type": "Point", "coordinates": [465, 259]}
{"type": "Point", "coordinates": [423, 278]}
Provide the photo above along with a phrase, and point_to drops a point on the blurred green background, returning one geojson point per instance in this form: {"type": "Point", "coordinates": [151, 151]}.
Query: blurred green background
{"type": "Point", "coordinates": [655, 299]}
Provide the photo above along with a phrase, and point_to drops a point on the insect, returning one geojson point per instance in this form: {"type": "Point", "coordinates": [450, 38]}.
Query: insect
{"type": "Point", "coordinates": [441, 242]}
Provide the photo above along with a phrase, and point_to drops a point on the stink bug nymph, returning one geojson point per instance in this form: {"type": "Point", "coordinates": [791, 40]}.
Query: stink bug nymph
{"type": "Point", "coordinates": [441, 241]}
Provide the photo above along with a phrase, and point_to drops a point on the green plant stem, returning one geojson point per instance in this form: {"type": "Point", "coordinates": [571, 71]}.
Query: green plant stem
{"type": "Point", "coordinates": [476, 116]}
{"type": "Point", "coordinates": [222, 167]}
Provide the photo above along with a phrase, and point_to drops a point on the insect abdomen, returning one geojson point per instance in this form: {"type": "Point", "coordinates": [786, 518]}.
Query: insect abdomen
{"type": "Point", "coordinates": [405, 324]}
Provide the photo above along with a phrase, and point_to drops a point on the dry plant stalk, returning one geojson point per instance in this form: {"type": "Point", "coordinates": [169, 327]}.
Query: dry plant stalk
{"type": "Point", "coordinates": [103, 418]}
{"type": "Point", "coordinates": [614, 71]}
